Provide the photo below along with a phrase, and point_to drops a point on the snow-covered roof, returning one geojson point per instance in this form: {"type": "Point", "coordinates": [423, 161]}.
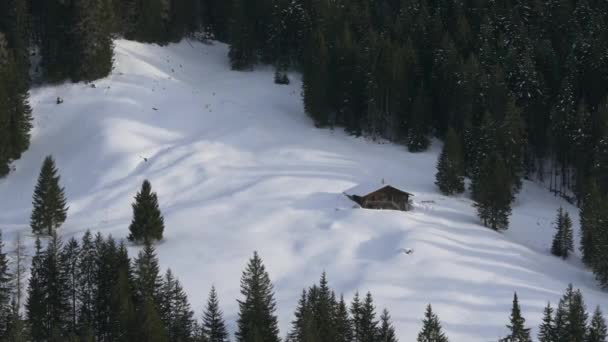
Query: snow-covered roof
{"type": "Point", "coordinates": [366, 188]}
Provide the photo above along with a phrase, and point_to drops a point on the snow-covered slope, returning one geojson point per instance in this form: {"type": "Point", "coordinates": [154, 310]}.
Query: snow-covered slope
{"type": "Point", "coordinates": [239, 167]}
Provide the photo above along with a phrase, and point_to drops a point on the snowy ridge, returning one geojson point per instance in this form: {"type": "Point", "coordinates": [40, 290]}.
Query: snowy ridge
{"type": "Point", "coordinates": [239, 167]}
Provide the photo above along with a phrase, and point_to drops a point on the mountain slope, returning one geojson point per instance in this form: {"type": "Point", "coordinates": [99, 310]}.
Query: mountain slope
{"type": "Point", "coordinates": [239, 167]}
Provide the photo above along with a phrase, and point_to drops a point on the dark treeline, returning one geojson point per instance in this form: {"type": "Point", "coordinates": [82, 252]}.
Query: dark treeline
{"type": "Point", "coordinates": [91, 290]}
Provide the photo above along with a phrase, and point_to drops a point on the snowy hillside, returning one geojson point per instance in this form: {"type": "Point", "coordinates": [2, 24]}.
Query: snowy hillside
{"type": "Point", "coordinates": [239, 167]}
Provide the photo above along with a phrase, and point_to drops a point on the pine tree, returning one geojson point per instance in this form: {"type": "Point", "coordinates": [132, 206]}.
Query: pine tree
{"type": "Point", "coordinates": [48, 304]}
{"type": "Point", "coordinates": [35, 305]}
{"type": "Point", "coordinates": [513, 143]}
{"type": "Point", "coordinates": [151, 20]}
{"type": "Point", "coordinates": [257, 320]}
{"type": "Point", "coordinates": [150, 326]}
{"type": "Point", "coordinates": [493, 194]}
{"type": "Point", "coordinates": [69, 261]}
{"type": "Point", "coordinates": [242, 52]}
{"type": "Point", "coordinates": [49, 201]}
{"type": "Point", "coordinates": [315, 81]}
{"type": "Point", "coordinates": [368, 325]}
{"type": "Point", "coordinates": [55, 290]}
{"type": "Point", "coordinates": [571, 317]}
{"type": "Point", "coordinates": [54, 22]}
{"type": "Point", "coordinates": [122, 307]}
{"type": "Point", "coordinates": [450, 168]}
{"type": "Point", "coordinates": [431, 329]}
{"type": "Point", "coordinates": [147, 279]}
{"type": "Point", "coordinates": [546, 330]}
{"type": "Point", "coordinates": [175, 310]}
{"type": "Point", "coordinates": [94, 23]}
{"type": "Point", "coordinates": [591, 222]}
{"type": "Point", "coordinates": [386, 332]}
{"type": "Point", "coordinates": [107, 252]}
{"type": "Point", "coordinates": [344, 330]}
{"type": "Point", "coordinates": [213, 327]}
{"type": "Point", "coordinates": [562, 242]}
{"type": "Point", "coordinates": [517, 330]}
{"type": "Point", "coordinates": [6, 290]}
{"type": "Point", "coordinates": [148, 223]}
{"type": "Point", "coordinates": [297, 325]}
{"type": "Point", "coordinates": [597, 331]}
{"type": "Point", "coordinates": [87, 282]}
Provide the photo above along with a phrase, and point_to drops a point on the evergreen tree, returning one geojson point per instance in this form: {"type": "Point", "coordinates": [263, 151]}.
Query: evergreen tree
{"type": "Point", "coordinates": [150, 325]}
{"type": "Point", "coordinates": [242, 52]}
{"type": "Point", "coordinates": [562, 241]}
{"type": "Point", "coordinates": [87, 283]}
{"type": "Point", "coordinates": [513, 143]}
{"type": "Point", "coordinates": [493, 194]}
{"type": "Point", "coordinates": [94, 23]}
{"type": "Point", "coordinates": [297, 325]}
{"type": "Point", "coordinates": [213, 327]}
{"type": "Point", "coordinates": [148, 223]}
{"type": "Point", "coordinates": [546, 330]}
{"type": "Point", "coordinates": [6, 290]}
{"type": "Point", "coordinates": [315, 81]}
{"type": "Point", "coordinates": [69, 261]}
{"type": "Point", "coordinates": [56, 298]}
{"type": "Point", "coordinates": [591, 222]}
{"type": "Point", "coordinates": [386, 332]}
{"type": "Point", "coordinates": [450, 168]}
{"type": "Point", "coordinates": [571, 317]}
{"type": "Point", "coordinates": [257, 320]}
{"type": "Point", "coordinates": [35, 305]}
{"type": "Point", "coordinates": [122, 306]}
{"type": "Point", "coordinates": [175, 310]}
{"type": "Point", "coordinates": [151, 20]}
{"type": "Point", "coordinates": [517, 330]}
{"type": "Point", "coordinates": [597, 330]}
{"type": "Point", "coordinates": [49, 201]}
{"type": "Point", "coordinates": [147, 279]}
{"type": "Point", "coordinates": [344, 330]}
{"type": "Point", "coordinates": [431, 328]}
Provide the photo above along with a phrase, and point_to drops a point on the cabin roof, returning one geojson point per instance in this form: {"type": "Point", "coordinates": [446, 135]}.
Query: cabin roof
{"type": "Point", "coordinates": [364, 189]}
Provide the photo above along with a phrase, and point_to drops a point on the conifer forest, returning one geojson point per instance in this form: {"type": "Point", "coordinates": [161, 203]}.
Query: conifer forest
{"type": "Point", "coordinates": [509, 98]}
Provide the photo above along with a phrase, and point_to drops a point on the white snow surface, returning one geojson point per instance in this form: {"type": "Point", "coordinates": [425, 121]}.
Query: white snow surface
{"type": "Point", "coordinates": [239, 167]}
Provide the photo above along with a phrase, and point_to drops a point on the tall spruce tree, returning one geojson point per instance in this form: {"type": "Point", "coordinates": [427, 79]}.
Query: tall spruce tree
{"type": "Point", "coordinates": [175, 310]}
{"type": "Point", "coordinates": [6, 290]}
{"type": "Point", "coordinates": [213, 328]}
{"type": "Point", "coordinates": [87, 283]}
{"type": "Point", "coordinates": [431, 328]}
{"type": "Point", "coordinates": [343, 324]}
{"type": "Point", "coordinates": [148, 223]}
{"type": "Point", "coordinates": [386, 332]}
{"type": "Point", "coordinates": [493, 194]}
{"type": "Point", "coordinates": [147, 279]}
{"type": "Point", "coordinates": [450, 168]}
{"type": "Point", "coordinates": [50, 210]}
{"type": "Point", "coordinates": [257, 320]}
{"type": "Point", "coordinates": [517, 329]}
{"type": "Point", "coordinates": [597, 331]}
{"type": "Point", "coordinates": [571, 317]}
{"type": "Point", "coordinates": [69, 261]}
{"type": "Point", "coordinates": [35, 306]}
{"type": "Point", "coordinates": [563, 243]}
{"type": "Point", "coordinates": [94, 23]}
{"type": "Point", "coordinates": [122, 307]}
{"type": "Point", "coordinates": [546, 330]}
{"type": "Point", "coordinates": [591, 217]}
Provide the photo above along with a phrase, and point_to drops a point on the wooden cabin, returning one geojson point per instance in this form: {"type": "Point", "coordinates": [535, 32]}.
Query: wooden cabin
{"type": "Point", "coordinates": [382, 196]}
